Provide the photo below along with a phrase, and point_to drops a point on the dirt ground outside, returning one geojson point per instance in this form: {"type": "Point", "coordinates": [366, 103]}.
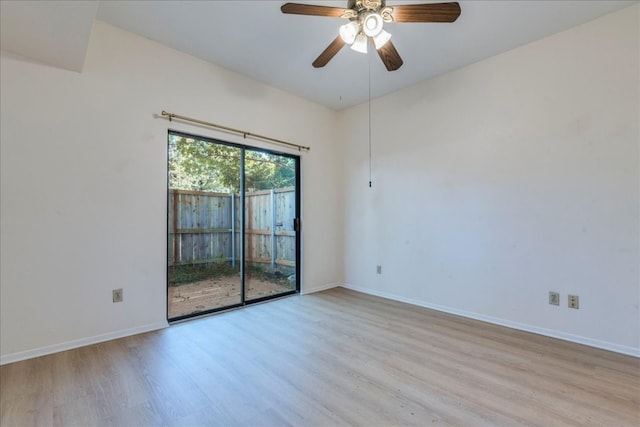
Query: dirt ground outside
{"type": "Point", "coordinates": [208, 294]}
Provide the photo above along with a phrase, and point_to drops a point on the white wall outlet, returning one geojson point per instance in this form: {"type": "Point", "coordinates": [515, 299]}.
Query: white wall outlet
{"type": "Point", "coordinates": [574, 301]}
{"type": "Point", "coordinates": [379, 269]}
{"type": "Point", "coordinates": [554, 298]}
{"type": "Point", "coordinates": [117, 295]}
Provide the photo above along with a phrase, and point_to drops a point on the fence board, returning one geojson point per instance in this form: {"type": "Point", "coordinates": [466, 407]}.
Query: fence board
{"type": "Point", "coordinates": [201, 229]}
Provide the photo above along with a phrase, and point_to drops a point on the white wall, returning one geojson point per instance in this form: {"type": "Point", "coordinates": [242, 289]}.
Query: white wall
{"type": "Point", "coordinates": [504, 180]}
{"type": "Point", "coordinates": [83, 182]}
{"type": "Point", "coordinates": [493, 184]}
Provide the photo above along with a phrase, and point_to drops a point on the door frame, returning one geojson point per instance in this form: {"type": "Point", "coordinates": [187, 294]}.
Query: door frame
{"type": "Point", "coordinates": [242, 236]}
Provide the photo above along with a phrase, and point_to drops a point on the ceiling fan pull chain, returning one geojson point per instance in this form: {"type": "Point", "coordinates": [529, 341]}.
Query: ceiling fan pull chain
{"type": "Point", "coordinates": [369, 120]}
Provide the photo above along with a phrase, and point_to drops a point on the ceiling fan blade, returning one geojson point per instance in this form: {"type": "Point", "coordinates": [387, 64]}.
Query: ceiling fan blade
{"type": "Point", "coordinates": [331, 50]}
{"type": "Point", "coordinates": [429, 12]}
{"type": "Point", "coordinates": [390, 56]}
{"type": "Point", "coordinates": [310, 9]}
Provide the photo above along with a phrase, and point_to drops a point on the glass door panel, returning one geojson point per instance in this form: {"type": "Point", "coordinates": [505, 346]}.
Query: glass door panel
{"type": "Point", "coordinates": [204, 222]}
{"type": "Point", "coordinates": [270, 203]}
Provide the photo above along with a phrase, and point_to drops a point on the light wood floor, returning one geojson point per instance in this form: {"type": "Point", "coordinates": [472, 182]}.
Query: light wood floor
{"type": "Point", "coordinates": [332, 358]}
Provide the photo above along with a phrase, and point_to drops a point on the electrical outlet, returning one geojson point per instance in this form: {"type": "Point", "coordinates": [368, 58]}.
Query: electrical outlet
{"type": "Point", "coordinates": [379, 269]}
{"type": "Point", "coordinates": [554, 298]}
{"type": "Point", "coordinates": [574, 301]}
{"type": "Point", "coordinates": [117, 295]}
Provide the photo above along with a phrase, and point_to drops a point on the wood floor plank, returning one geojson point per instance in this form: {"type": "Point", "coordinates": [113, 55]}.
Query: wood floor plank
{"type": "Point", "coordinates": [333, 358]}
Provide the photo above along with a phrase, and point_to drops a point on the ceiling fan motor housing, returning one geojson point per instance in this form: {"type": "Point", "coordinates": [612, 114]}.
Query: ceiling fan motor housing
{"type": "Point", "coordinates": [359, 5]}
{"type": "Point", "coordinates": [361, 9]}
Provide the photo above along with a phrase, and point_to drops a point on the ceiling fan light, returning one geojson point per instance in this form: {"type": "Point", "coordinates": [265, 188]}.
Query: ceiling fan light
{"type": "Point", "coordinates": [381, 39]}
{"type": "Point", "coordinates": [372, 24]}
{"type": "Point", "coordinates": [360, 44]}
{"type": "Point", "coordinates": [348, 32]}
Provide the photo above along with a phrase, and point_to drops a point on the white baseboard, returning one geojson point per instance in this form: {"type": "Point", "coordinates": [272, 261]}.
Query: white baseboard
{"type": "Point", "coordinates": [630, 351]}
{"type": "Point", "coordinates": [55, 348]}
{"type": "Point", "coordinates": [319, 288]}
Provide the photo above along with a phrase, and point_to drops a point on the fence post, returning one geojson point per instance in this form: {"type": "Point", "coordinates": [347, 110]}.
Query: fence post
{"type": "Point", "coordinates": [233, 230]}
{"type": "Point", "coordinates": [177, 238]}
{"type": "Point", "coordinates": [273, 229]}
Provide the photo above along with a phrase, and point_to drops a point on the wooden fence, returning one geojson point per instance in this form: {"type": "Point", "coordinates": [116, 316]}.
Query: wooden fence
{"type": "Point", "coordinates": [205, 227]}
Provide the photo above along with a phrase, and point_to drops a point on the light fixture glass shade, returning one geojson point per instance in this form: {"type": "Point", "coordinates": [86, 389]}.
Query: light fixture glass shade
{"type": "Point", "coordinates": [360, 44]}
{"type": "Point", "coordinates": [381, 39]}
{"type": "Point", "coordinates": [372, 24]}
{"type": "Point", "coordinates": [348, 32]}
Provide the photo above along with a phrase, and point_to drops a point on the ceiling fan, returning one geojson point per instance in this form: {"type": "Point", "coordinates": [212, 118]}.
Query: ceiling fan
{"type": "Point", "coordinates": [366, 21]}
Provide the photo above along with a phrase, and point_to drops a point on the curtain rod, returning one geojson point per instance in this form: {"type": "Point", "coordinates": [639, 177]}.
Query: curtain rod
{"type": "Point", "coordinates": [245, 134]}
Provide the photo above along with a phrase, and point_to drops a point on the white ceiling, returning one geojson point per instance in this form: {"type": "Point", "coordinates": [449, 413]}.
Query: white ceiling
{"type": "Point", "coordinates": [53, 32]}
{"type": "Point", "coordinates": [253, 38]}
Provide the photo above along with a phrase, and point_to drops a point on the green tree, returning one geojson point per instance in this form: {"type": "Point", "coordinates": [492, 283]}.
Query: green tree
{"type": "Point", "coordinates": [203, 166]}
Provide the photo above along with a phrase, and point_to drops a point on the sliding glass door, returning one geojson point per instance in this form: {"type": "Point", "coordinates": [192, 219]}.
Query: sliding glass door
{"type": "Point", "coordinates": [232, 225]}
{"type": "Point", "coordinates": [270, 225]}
